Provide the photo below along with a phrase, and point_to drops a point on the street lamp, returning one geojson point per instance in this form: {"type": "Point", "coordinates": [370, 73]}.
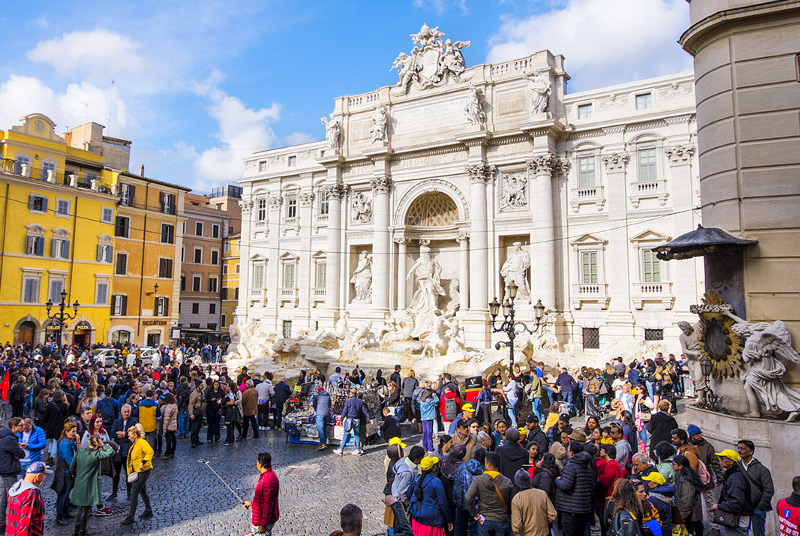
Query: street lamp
{"type": "Point", "coordinates": [60, 316]}
{"type": "Point", "coordinates": [509, 325]}
{"type": "Point", "coordinates": [155, 289]}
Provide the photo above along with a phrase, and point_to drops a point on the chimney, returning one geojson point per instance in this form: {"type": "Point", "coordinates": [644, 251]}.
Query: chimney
{"type": "Point", "coordinates": [141, 170]}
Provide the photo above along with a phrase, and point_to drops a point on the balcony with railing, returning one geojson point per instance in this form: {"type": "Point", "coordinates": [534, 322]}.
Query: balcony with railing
{"type": "Point", "coordinates": [319, 294]}
{"type": "Point", "coordinates": [659, 294]}
{"type": "Point", "coordinates": [596, 293]}
{"type": "Point", "coordinates": [656, 189]}
{"type": "Point", "coordinates": [289, 295]}
{"type": "Point", "coordinates": [592, 195]}
{"type": "Point", "coordinates": [73, 178]}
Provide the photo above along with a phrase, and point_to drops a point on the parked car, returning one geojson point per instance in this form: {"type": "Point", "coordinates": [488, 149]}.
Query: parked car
{"type": "Point", "coordinates": [106, 356]}
{"type": "Point", "coordinates": [148, 355]}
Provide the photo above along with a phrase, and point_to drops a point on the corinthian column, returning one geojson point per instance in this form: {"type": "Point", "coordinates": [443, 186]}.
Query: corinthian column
{"type": "Point", "coordinates": [479, 257]}
{"type": "Point", "coordinates": [380, 246]}
{"type": "Point", "coordinates": [463, 270]}
{"type": "Point", "coordinates": [543, 247]}
{"type": "Point", "coordinates": [401, 271]}
{"type": "Point", "coordinates": [335, 193]}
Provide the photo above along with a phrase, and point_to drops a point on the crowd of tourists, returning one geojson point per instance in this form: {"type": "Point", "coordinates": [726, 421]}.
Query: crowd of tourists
{"type": "Point", "coordinates": [506, 458]}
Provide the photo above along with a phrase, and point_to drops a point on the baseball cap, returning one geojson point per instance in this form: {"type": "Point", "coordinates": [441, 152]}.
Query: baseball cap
{"type": "Point", "coordinates": [656, 477]}
{"type": "Point", "coordinates": [36, 468]}
{"type": "Point", "coordinates": [532, 418]}
{"type": "Point", "coordinates": [730, 454]}
{"type": "Point", "coordinates": [397, 441]}
{"type": "Point", "coordinates": [468, 407]}
{"type": "Point", "coordinates": [428, 462]}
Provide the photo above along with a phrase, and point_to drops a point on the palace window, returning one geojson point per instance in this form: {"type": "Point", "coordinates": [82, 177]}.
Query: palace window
{"type": "Point", "coordinates": [651, 267]}
{"type": "Point", "coordinates": [588, 267]}
{"type": "Point", "coordinates": [288, 276]}
{"type": "Point", "coordinates": [119, 305]}
{"type": "Point", "coordinates": [121, 267]}
{"type": "Point", "coordinates": [323, 201]}
{"type": "Point", "coordinates": [591, 338]}
{"type": "Point", "coordinates": [37, 203]}
{"type": "Point", "coordinates": [262, 166]}
{"type": "Point", "coordinates": [162, 306]}
{"type": "Point", "coordinates": [643, 101]}
{"type": "Point", "coordinates": [195, 308]}
{"type": "Point", "coordinates": [198, 255]}
{"type": "Point", "coordinates": [167, 203]}
{"type": "Point", "coordinates": [101, 292]}
{"type": "Point", "coordinates": [215, 256]}
{"type": "Point", "coordinates": [197, 283]}
{"type": "Point", "coordinates": [586, 171]}
{"type": "Point", "coordinates": [647, 165]}
{"type": "Point", "coordinates": [653, 334]}
{"type": "Point", "coordinates": [63, 207]}
{"type": "Point", "coordinates": [212, 308]}
{"type": "Point", "coordinates": [123, 227]}
{"type": "Point", "coordinates": [291, 206]}
{"type": "Point", "coordinates": [126, 194]}
{"type": "Point", "coordinates": [30, 285]}
{"type": "Point", "coordinates": [213, 285]}
{"type": "Point", "coordinates": [57, 284]}
{"type": "Point", "coordinates": [258, 276]}
{"type": "Point", "coordinates": [215, 231]}
{"type": "Point", "coordinates": [584, 111]}
{"type": "Point", "coordinates": [107, 215]}
{"type": "Point", "coordinates": [105, 249]}
{"type": "Point", "coordinates": [60, 248]}
{"type": "Point", "coordinates": [35, 241]}
{"type": "Point", "coordinates": [165, 268]}
{"type": "Point", "coordinates": [261, 210]}
{"type": "Point", "coordinates": [322, 269]}
{"type": "Point", "coordinates": [198, 228]}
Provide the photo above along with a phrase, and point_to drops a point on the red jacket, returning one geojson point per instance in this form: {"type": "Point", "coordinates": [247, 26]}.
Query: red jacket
{"type": "Point", "coordinates": [25, 511]}
{"type": "Point", "coordinates": [265, 500]}
{"type": "Point", "coordinates": [442, 400]}
{"type": "Point", "coordinates": [789, 515]}
{"type": "Point", "coordinates": [608, 472]}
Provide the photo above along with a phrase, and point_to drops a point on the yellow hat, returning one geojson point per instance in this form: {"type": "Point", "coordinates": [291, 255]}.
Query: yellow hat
{"type": "Point", "coordinates": [396, 441]}
{"type": "Point", "coordinates": [656, 477]}
{"type": "Point", "coordinates": [730, 454]}
{"type": "Point", "coordinates": [523, 431]}
{"type": "Point", "coordinates": [428, 462]}
{"type": "Point", "coordinates": [468, 407]}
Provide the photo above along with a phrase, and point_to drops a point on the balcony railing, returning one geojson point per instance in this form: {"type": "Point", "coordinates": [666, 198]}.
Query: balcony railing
{"type": "Point", "coordinates": [288, 294]}
{"type": "Point", "coordinates": [656, 293]}
{"type": "Point", "coordinates": [319, 294]}
{"type": "Point", "coordinates": [648, 190]}
{"type": "Point", "coordinates": [590, 293]}
{"type": "Point", "coordinates": [256, 292]}
{"type": "Point", "coordinates": [593, 195]}
{"type": "Point", "coordinates": [73, 178]}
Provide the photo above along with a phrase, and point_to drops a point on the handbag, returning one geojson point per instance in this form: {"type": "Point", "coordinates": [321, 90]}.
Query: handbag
{"type": "Point", "coordinates": [347, 424]}
{"type": "Point", "coordinates": [725, 519]}
{"type": "Point", "coordinates": [133, 477]}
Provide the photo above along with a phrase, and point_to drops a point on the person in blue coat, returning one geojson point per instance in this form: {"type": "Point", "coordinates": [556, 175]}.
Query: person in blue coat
{"type": "Point", "coordinates": [354, 410]}
{"type": "Point", "coordinates": [32, 440]}
{"type": "Point", "coordinates": [322, 408]}
{"type": "Point", "coordinates": [429, 506]}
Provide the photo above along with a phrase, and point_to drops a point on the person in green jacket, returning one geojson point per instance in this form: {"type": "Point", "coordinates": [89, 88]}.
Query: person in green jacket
{"type": "Point", "coordinates": [85, 472]}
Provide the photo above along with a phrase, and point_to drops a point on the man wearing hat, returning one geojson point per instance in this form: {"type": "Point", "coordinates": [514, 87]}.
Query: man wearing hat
{"type": "Point", "coordinates": [25, 511]}
{"type": "Point", "coordinates": [735, 500]}
{"type": "Point", "coordinates": [467, 412]}
{"type": "Point", "coordinates": [705, 453]}
{"type": "Point", "coordinates": [512, 455]}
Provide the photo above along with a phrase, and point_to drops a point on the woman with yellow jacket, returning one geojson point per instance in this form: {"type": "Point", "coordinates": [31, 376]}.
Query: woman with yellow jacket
{"type": "Point", "coordinates": [140, 457]}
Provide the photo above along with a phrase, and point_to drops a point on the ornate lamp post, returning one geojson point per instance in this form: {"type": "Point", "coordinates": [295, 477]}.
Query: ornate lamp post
{"type": "Point", "coordinates": [509, 325]}
{"type": "Point", "coordinates": [712, 400]}
{"type": "Point", "coordinates": [60, 315]}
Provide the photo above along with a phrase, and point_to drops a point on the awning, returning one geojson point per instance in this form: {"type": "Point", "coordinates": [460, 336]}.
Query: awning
{"type": "Point", "coordinates": [701, 242]}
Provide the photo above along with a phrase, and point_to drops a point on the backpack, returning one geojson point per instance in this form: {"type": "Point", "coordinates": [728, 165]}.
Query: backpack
{"type": "Point", "coordinates": [450, 409]}
{"type": "Point", "coordinates": [106, 408]}
{"type": "Point", "coordinates": [702, 472]}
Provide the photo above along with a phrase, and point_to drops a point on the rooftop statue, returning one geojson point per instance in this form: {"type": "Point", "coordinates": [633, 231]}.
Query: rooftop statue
{"type": "Point", "coordinates": [432, 61]}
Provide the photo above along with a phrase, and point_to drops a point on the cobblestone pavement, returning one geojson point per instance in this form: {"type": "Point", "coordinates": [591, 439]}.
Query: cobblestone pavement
{"type": "Point", "coordinates": [188, 499]}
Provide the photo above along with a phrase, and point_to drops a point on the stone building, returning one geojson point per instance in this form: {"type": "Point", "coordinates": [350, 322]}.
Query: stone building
{"type": "Point", "coordinates": [499, 175]}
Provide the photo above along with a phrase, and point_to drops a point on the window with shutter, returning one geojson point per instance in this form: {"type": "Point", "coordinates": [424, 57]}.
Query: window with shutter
{"type": "Point", "coordinates": [212, 284]}
{"type": "Point", "coordinates": [122, 264]}
{"type": "Point", "coordinates": [167, 233]}
{"type": "Point", "coordinates": [30, 290]}
{"type": "Point", "coordinates": [56, 286]}
{"type": "Point", "coordinates": [113, 305]}
{"type": "Point", "coordinates": [652, 267]}
{"type": "Point", "coordinates": [39, 246]}
{"type": "Point", "coordinates": [589, 267]}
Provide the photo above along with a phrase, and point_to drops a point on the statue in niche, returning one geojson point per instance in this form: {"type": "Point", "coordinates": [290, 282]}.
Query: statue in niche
{"type": "Point", "coordinates": [427, 272]}
{"type": "Point", "coordinates": [514, 271]}
{"type": "Point", "coordinates": [333, 131]}
{"type": "Point", "coordinates": [540, 86]}
{"type": "Point", "coordinates": [766, 347]}
{"type": "Point", "coordinates": [362, 278]}
{"type": "Point", "coordinates": [514, 194]}
{"type": "Point", "coordinates": [474, 108]}
{"type": "Point", "coordinates": [379, 130]}
{"type": "Point", "coordinates": [362, 208]}
{"type": "Point", "coordinates": [690, 347]}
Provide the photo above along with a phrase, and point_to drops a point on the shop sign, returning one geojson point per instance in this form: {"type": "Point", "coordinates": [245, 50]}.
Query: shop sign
{"type": "Point", "coordinates": [83, 325]}
{"type": "Point", "coordinates": [154, 322]}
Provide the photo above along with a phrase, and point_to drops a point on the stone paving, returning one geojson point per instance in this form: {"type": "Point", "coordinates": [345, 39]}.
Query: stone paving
{"type": "Point", "coordinates": [188, 499]}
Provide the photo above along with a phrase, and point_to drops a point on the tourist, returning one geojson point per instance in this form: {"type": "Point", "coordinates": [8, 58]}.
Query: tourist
{"type": "Point", "coordinates": [140, 462]}
{"type": "Point", "coordinates": [493, 492]}
{"type": "Point", "coordinates": [55, 414]}
{"type": "Point", "coordinates": [232, 411]}
{"type": "Point", "coordinates": [680, 440]}
{"type": "Point", "coordinates": [687, 495]}
{"type": "Point", "coordinates": [62, 480]}
{"type": "Point", "coordinates": [532, 512]}
{"type": "Point", "coordinates": [622, 445]}
{"type": "Point", "coordinates": [169, 418]}
{"type": "Point", "coordinates": [467, 412]}
{"type": "Point", "coordinates": [17, 397]}
{"type": "Point", "coordinates": [789, 511]}
{"type": "Point", "coordinates": [661, 496]}
{"type": "Point", "coordinates": [734, 507]}
{"type": "Point", "coordinates": [464, 437]}
{"type": "Point", "coordinates": [512, 455]}
{"type": "Point", "coordinates": [535, 392]}
{"type": "Point", "coordinates": [214, 396]}
{"type": "Point", "coordinates": [462, 480]}
{"type": "Point", "coordinates": [499, 434]}
{"type": "Point", "coordinates": [404, 472]}
{"type": "Point", "coordinates": [445, 444]}
{"type": "Point", "coordinates": [353, 413]}
{"type": "Point", "coordinates": [660, 426]}
{"type": "Point", "coordinates": [119, 434]}
{"type": "Point", "coordinates": [10, 455]}
{"type": "Point", "coordinates": [265, 394]}
{"type": "Point", "coordinates": [544, 475]}
{"type": "Point", "coordinates": [535, 434]}
{"type": "Point", "coordinates": [249, 409]}
{"type": "Point", "coordinates": [409, 384]}
{"type": "Point", "coordinates": [484, 403]}
{"type": "Point", "coordinates": [705, 454]}
{"type": "Point", "coordinates": [641, 465]}
{"type": "Point", "coordinates": [762, 487]}
{"type": "Point", "coordinates": [575, 491]}
{"type": "Point", "coordinates": [265, 507]}
{"type": "Point", "coordinates": [427, 409]}
{"type": "Point", "coordinates": [282, 394]}
{"type": "Point", "coordinates": [322, 410]}
{"type": "Point", "coordinates": [32, 441]}
{"type": "Point", "coordinates": [664, 456]}
{"type": "Point", "coordinates": [25, 514]}
{"type": "Point", "coordinates": [511, 391]}
{"type": "Point", "coordinates": [554, 433]}
{"type": "Point", "coordinates": [608, 472]}
{"type": "Point", "coordinates": [627, 510]}
{"type": "Point", "coordinates": [149, 412]}
{"type": "Point", "coordinates": [196, 408]}
{"type": "Point", "coordinates": [428, 505]}
{"type": "Point", "coordinates": [393, 400]}
{"type": "Point", "coordinates": [566, 384]}
{"type": "Point", "coordinates": [85, 469]}
{"type": "Point", "coordinates": [389, 427]}
{"type": "Point", "coordinates": [449, 406]}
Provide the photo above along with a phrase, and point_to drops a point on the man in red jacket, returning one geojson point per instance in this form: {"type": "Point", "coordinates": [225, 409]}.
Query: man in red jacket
{"type": "Point", "coordinates": [265, 500]}
{"type": "Point", "coordinates": [25, 515]}
{"type": "Point", "coordinates": [608, 472]}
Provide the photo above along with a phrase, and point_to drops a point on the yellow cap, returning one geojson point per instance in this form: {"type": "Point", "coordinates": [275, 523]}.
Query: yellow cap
{"type": "Point", "coordinates": [396, 441]}
{"type": "Point", "coordinates": [428, 462]}
{"type": "Point", "coordinates": [468, 407]}
{"type": "Point", "coordinates": [656, 477]}
{"type": "Point", "coordinates": [523, 431]}
{"type": "Point", "coordinates": [730, 454]}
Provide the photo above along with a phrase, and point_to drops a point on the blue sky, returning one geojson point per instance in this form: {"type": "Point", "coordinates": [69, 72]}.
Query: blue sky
{"type": "Point", "coordinates": [199, 84]}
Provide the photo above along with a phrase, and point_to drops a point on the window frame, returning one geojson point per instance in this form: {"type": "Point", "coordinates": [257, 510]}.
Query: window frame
{"type": "Point", "coordinates": [170, 233]}
{"type": "Point", "coordinates": [68, 213]}
{"type": "Point", "coordinates": [582, 108]}
{"type": "Point", "coordinates": [110, 212]}
{"type": "Point", "coordinates": [102, 282]}
{"type": "Point", "coordinates": [126, 227]}
{"type": "Point", "coordinates": [646, 100]}
{"type": "Point", "coordinates": [199, 228]}
{"type": "Point", "coordinates": [195, 251]}
{"type": "Point", "coordinates": [593, 161]}
{"type": "Point", "coordinates": [33, 198]}
{"type": "Point", "coordinates": [199, 280]}
{"type": "Point", "coordinates": [652, 153]}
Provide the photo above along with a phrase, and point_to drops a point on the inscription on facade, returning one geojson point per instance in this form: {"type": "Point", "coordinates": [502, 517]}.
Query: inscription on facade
{"type": "Point", "coordinates": [429, 116]}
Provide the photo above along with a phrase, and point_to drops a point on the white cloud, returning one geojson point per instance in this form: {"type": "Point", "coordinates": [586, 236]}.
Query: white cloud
{"type": "Point", "coordinates": [440, 6]}
{"type": "Point", "coordinates": [603, 41]}
{"type": "Point", "coordinates": [95, 55]}
{"type": "Point", "coordinates": [296, 138]}
{"type": "Point", "coordinates": [242, 131]}
{"type": "Point", "coordinates": [76, 105]}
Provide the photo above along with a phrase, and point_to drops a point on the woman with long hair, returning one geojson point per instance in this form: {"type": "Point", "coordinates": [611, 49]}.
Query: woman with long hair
{"type": "Point", "coordinates": [544, 476]}
{"type": "Point", "coordinates": [688, 490]}
{"type": "Point", "coordinates": [624, 509]}
{"type": "Point", "coordinates": [427, 409]}
{"type": "Point", "coordinates": [56, 412]}
{"type": "Point", "coordinates": [95, 427]}
{"type": "Point", "coordinates": [89, 401]}
{"type": "Point", "coordinates": [499, 434]}
{"type": "Point", "coordinates": [62, 481]}
{"type": "Point", "coordinates": [169, 418]}
{"type": "Point", "coordinates": [429, 508]}
{"type": "Point", "coordinates": [592, 424]}
{"type": "Point", "coordinates": [140, 462]}
{"type": "Point", "coordinates": [394, 452]}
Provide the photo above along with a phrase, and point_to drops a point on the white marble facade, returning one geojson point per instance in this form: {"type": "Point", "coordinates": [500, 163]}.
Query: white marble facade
{"type": "Point", "coordinates": [469, 162]}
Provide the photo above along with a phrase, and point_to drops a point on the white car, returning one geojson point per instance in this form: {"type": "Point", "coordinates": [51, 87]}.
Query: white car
{"type": "Point", "coordinates": [148, 355]}
{"type": "Point", "coordinates": [105, 356]}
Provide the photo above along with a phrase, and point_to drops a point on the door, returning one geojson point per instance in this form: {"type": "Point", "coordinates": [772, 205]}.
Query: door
{"type": "Point", "coordinates": [153, 339]}
{"type": "Point", "coordinates": [27, 331]}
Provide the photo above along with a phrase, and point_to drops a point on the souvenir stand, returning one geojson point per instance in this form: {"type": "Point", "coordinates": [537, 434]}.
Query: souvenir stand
{"type": "Point", "coordinates": [300, 421]}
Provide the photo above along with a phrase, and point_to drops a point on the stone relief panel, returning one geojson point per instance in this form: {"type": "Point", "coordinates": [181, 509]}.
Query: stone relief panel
{"type": "Point", "coordinates": [432, 62]}
{"type": "Point", "coordinates": [513, 191]}
{"type": "Point", "coordinates": [361, 208]}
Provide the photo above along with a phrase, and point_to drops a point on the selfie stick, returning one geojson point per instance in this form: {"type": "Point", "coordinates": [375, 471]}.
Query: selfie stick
{"type": "Point", "coordinates": [222, 480]}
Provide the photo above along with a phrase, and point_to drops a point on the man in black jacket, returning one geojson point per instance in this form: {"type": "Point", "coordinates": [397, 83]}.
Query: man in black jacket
{"type": "Point", "coordinates": [282, 394]}
{"type": "Point", "coordinates": [10, 455]}
{"type": "Point", "coordinates": [660, 427]}
{"type": "Point", "coordinates": [119, 435]}
{"type": "Point", "coordinates": [575, 491]}
{"type": "Point", "coordinates": [536, 434]}
{"type": "Point", "coordinates": [17, 396]}
{"type": "Point", "coordinates": [735, 497]}
{"type": "Point", "coordinates": [512, 455]}
{"type": "Point", "coordinates": [761, 486]}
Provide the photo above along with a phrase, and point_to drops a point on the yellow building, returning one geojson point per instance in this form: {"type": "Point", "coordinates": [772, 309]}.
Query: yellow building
{"type": "Point", "coordinates": [230, 279]}
{"type": "Point", "coordinates": [57, 216]}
